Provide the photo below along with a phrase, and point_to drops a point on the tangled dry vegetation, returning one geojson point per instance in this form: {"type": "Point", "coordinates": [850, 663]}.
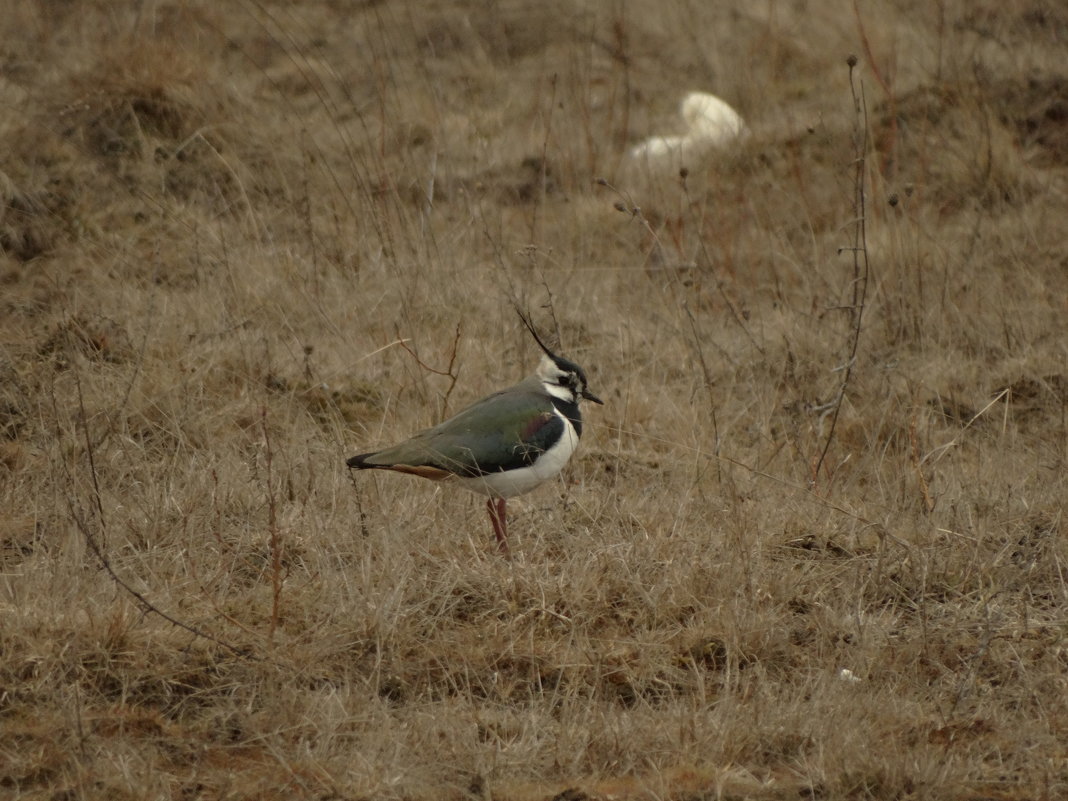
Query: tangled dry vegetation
{"type": "Point", "coordinates": [239, 241]}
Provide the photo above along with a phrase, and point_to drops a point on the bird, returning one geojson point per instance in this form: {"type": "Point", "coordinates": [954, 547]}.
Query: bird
{"type": "Point", "coordinates": [504, 445]}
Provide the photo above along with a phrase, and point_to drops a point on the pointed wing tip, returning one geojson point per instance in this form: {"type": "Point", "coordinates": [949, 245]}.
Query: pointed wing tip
{"type": "Point", "coordinates": [359, 461]}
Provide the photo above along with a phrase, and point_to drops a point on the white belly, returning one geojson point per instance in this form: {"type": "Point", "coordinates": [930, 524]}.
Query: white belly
{"type": "Point", "coordinates": [516, 482]}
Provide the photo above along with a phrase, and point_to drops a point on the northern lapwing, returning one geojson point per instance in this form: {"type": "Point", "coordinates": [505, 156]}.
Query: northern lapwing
{"type": "Point", "coordinates": [505, 444]}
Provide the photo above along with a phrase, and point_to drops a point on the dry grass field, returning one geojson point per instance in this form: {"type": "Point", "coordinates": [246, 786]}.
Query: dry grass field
{"type": "Point", "coordinates": [812, 546]}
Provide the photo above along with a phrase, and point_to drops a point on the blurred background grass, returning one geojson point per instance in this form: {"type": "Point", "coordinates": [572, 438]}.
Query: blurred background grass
{"type": "Point", "coordinates": [241, 241]}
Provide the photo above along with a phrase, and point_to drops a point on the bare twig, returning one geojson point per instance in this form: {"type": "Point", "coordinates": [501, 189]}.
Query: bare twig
{"type": "Point", "coordinates": [707, 374]}
{"type": "Point", "coordinates": [450, 372]}
{"type": "Point", "coordinates": [914, 451]}
{"type": "Point", "coordinates": [93, 543]}
{"type": "Point", "coordinates": [859, 251]}
{"type": "Point", "coordinates": [884, 84]}
{"type": "Point", "coordinates": [274, 537]}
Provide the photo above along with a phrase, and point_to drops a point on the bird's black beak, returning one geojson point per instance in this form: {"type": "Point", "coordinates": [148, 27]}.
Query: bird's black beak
{"type": "Point", "coordinates": [591, 397]}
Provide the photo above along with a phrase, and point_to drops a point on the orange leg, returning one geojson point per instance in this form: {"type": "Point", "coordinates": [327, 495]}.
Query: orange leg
{"type": "Point", "coordinates": [497, 514]}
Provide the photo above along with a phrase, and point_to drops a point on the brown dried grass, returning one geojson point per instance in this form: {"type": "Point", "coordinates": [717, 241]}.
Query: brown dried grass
{"type": "Point", "coordinates": [220, 221]}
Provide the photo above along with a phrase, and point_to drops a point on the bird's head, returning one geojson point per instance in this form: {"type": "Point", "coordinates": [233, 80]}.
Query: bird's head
{"type": "Point", "coordinates": [564, 379]}
{"type": "Point", "coordinates": [560, 377]}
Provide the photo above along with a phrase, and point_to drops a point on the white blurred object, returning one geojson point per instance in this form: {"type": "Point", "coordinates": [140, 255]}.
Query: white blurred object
{"type": "Point", "coordinates": [711, 124]}
{"type": "Point", "coordinates": [845, 674]}
{"type": "Point", "coordinates": [711, 119]}
{"type": "Point", "coordinates": [658, 147]}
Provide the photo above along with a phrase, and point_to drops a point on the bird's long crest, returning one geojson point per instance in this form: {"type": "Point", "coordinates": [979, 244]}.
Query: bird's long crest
{"type": "Point", "coordinates": [533, 331]}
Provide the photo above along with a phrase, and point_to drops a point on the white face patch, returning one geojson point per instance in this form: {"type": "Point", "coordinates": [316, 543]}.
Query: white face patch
{"type": "Point", "coordinates": [548, 371]}
{"type": "Point", "coordinates": [563, 393]}
{"type": "Point", "coordinates": [555, 380]}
